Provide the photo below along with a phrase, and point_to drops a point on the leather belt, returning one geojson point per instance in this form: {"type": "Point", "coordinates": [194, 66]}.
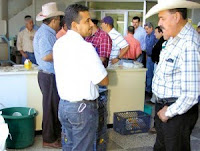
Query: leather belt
{"type": "Point", "coordinates": [126, 59]}
{"type": "Point", "coordinates": [166, 100]}
{"type": "Point", "coordinates": [86, 101]}
{"type": "Point", "coordinates": [45, 72]}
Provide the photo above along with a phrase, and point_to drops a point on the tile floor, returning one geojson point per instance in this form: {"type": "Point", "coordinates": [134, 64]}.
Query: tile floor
{"type": "Point", "coordinates": [135, 142]}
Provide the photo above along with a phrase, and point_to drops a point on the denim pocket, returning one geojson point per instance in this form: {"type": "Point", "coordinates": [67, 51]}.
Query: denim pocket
{"type": "Point", "coordinates": [75, 118]}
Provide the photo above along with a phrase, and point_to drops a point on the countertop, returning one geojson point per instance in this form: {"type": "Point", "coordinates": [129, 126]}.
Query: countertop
{"type": "Point", "coordinates": [18, 69]}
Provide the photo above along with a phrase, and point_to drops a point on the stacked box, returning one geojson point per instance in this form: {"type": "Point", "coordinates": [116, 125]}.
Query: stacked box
{"type": "Point", "coordinates": [131, 122]}
{"type": "Point", "coordinates": [100, 143]}
{"type": "Point", "coordinates": [101, 134]}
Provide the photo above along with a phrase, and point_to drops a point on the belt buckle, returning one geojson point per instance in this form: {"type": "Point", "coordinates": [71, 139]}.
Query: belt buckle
{"type": "Point", "coordinates": [157, 98]}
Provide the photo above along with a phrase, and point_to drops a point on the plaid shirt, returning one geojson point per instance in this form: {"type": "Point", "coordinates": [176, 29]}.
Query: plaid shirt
{"type": "Point", "coordinates": [178, 71]}
{"type": "Point", "coordinates": [102, 42]}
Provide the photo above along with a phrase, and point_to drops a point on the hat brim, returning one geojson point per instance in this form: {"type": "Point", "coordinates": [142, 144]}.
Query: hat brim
{"type": "Point", "coordinates": [40, 17]}
{"type": "Point", "coordinates": [165, 6]}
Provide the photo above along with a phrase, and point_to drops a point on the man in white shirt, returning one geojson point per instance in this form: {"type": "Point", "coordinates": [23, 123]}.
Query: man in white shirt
{"type": "Point", "coordinates": [77, 81]}
{"type": "Point", "coordinates": [119, 44]}
{"type": "Point", "coordinates": [25, 41]}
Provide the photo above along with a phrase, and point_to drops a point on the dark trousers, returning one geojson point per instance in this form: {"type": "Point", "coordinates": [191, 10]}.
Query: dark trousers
{"type": "Point", "coordinates": [174, 135]}
{"type": "Point", "coordinates": [51, 127]}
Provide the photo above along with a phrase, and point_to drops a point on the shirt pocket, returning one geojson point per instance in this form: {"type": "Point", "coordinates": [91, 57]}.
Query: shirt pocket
{"type": "Point", "coordinates": [169, 68]}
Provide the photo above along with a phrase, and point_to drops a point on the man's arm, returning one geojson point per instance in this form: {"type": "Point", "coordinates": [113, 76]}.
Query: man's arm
{"type": "Point", "coordinates": [104, 82]}
{"type": "Point", "coordinates": [122, 53]}
{"type": "Point", "coordinates": [48, 58]}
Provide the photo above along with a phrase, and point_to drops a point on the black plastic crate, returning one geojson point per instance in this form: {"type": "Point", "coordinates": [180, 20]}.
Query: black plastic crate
{"type": "Point", "coordinates": [103, 98]}
{"type": "Point", "coordinates": [100, 143]}
{"type": "Point", "coordinates": [131, 122]}
{"type": "Point", "coordinates": [102, 121]}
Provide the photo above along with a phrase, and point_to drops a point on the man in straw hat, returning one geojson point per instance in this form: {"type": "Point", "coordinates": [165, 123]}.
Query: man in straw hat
{"type": "Point", "coordinates": [176, 82]}
{"type": "Point", "coordinates": [77, 81]}
{"type": "Point", "coordinates": [43, 43]}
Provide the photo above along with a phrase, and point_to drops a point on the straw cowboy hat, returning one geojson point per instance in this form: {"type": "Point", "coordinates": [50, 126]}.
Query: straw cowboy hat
{"type": "Point", "coordinates": [171, 4]}
{"type": "Point", "coordinates": [49, 10]}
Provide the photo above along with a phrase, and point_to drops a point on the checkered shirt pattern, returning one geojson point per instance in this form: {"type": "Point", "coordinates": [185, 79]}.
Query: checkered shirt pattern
{"type": "Point", "coordinates": [102, 42]}
{"type": "Point", "coordinates": [178, 71]}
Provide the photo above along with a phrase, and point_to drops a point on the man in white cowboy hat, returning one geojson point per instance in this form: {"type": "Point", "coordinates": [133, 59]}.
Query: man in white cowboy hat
{"type": "Point", "coordinates": [43, 43]}
{"type": "Point", "coordinates": [176, 82]}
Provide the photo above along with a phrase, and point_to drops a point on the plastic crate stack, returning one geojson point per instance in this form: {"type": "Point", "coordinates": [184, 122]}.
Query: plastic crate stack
{"type": "Point", "coordinates": [100, 143]}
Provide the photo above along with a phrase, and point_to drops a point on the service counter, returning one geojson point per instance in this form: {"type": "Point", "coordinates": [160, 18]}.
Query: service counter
{"type": "Point", "coordinates": [19, 88]}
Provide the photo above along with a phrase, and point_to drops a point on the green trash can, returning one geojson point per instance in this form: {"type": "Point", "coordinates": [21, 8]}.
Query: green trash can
{"type": "Point", "coordinates": [21, 124]}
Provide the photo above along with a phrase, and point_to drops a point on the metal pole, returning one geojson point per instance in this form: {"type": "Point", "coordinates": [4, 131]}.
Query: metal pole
{"type": "Point", "coordinates": [144, 12]}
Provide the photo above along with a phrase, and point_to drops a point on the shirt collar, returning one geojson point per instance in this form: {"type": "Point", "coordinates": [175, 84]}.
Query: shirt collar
{"type": "Point", "coordinates": [184, 30]}
{"type": "Point", "coordinates": [48, 28]}
{"type": "Point", "coordinates": [97, 32]}
{"type": "Point", "coordinates": [74, 34]}
{"type": "Point", "coordinates": [29, 31]}
{"type": "Point", "coordinates": [181, 34]}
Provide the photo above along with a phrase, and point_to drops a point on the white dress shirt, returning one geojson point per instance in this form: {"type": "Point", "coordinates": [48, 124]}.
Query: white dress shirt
{"type": "Point", "coordinates": [78, 68]}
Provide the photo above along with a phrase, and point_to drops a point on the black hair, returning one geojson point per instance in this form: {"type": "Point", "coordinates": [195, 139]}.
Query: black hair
{"type": "Point", "coordinates": [182, 11]}
{"type": "Point", "coordinates": [131, 29]}
{"type": "Point", "coordinates": [95, 21]}
{"type": "Point", "coordinates": [159, 29]}
{"type": "Point", "coordinates": [136, 18]}
{"type": "Point", "coordinates": [48, 20]}
{"type": "Point", "coordinates": [72, 14]}
{"type": "Point", "coordinates": [27, 17]}
{"type": "Point", "coordinates": [62, 21]}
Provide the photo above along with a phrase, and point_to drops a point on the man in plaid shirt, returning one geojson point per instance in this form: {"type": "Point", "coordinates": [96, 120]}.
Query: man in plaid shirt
{"type": "Point", "coordinates": [101, 41]}
{"type": "Point", "coordinates": [176, 81]}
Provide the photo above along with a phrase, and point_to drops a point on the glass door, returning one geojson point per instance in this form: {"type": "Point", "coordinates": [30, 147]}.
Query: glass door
{"type": "Point", "coordinates": [120, 23]}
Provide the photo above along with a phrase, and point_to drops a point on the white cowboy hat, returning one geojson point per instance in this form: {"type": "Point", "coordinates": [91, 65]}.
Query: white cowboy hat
{"type": "Point", "coordinates": [171, 4]}
{"type": "Point", "coordinates": [49, 10]}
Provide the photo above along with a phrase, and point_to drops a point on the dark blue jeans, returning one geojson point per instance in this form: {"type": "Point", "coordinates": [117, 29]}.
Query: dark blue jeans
{"type": "Point", "coordinates": [79, 122]}
{"type": "Point", "coordinates": [31, 57]}
{"type": "Point", "coordinates": [174, 135]}
{"type": "Point", "coordinates": [149, 74]}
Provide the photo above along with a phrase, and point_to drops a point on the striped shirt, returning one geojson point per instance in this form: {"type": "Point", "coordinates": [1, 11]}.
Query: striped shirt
{"type": "Point", "coordinates": [118, 43]}
{"type": "Point", "coordinates": [178, 71]}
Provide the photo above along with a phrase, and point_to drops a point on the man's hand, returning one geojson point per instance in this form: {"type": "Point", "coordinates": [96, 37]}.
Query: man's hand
{"type": "Point", "coordinates": [161, 114]}
{"type": "Point", "coordinates": [115, 60]}
{"type": "Point", "coordinates": [23, 54]}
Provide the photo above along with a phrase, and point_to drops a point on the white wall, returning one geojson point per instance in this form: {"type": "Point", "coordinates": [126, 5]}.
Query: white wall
{"type": "Point", "coordinates": [16, 6]}
{"type": "Point", "coordinates": [17, 21]}
{"type": "Point", "coordinates": [3, 9]}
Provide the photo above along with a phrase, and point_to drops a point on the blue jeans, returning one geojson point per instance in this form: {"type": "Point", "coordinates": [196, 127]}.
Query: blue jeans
{"type": "Point", "coordinates": [31, 57]}
{"type": "Point", "coordinates": [149, 76]}
{"type": "Point", "coordinates": [79, 122]}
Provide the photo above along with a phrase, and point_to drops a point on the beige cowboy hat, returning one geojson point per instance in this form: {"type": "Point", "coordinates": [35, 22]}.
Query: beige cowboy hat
{"type": "Point", "coordinates": [171, 4]}
{"type": "Point", "coordinates": [49, 10]}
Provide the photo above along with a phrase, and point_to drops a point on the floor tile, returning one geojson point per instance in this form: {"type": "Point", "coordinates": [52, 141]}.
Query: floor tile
{"type": "Point", "coordinates": [113, 146]}
{"type": "Point", "coordinates": [149, 148]}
